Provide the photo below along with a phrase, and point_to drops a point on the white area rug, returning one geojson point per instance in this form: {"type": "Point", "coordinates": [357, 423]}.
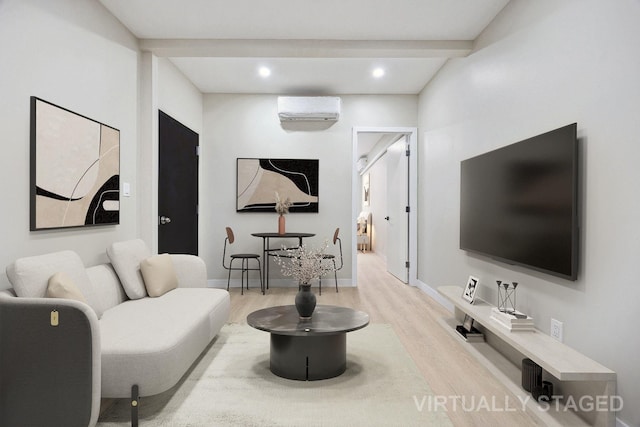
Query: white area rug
{"type": "Point", "coordinates": [231, 385]}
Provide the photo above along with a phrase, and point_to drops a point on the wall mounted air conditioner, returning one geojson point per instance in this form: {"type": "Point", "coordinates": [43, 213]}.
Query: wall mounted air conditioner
{"type": "Point", "coordinates": [308, 108]}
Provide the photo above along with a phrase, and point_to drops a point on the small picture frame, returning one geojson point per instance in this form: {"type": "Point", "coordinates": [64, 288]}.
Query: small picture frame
{"type": "Point", "coordinates": [469, 293]}
{"type": "Point", "coordinates": [467, 324]}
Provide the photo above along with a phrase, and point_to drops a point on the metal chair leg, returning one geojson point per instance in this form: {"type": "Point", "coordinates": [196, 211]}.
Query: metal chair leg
{"type": "Point", "coordinates": [242, 269]}
{"type": "Point", "coordinates": [335, 272]}
{"type": "Point", "coordinates": [135, 401]}
{"type": "Point", "coordinates": [260, 275]}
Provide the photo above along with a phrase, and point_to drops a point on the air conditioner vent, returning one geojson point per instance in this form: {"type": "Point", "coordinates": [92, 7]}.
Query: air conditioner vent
{"type": "Point", "coordinates": [309, 108]}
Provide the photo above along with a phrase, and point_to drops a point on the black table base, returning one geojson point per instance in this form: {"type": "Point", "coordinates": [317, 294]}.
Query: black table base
{"type": "Point", "coordinates": [308, 358]}
{"type": "Point", "coordinates": [310, 349]}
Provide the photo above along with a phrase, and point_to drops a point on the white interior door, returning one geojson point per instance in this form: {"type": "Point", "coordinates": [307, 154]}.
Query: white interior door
{"type": "Point", "coordinates": [397, 217]}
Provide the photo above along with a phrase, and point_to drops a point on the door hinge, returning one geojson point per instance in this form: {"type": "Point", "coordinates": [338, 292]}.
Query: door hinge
{"type": "Point", "coordinates": [198, 150]}
{"type": "Point", "coordinates": [407, 209]}
{"type": "Point", "coordinates": [406, 264]}
{"type": "Point", "coordinates": [408, 152]}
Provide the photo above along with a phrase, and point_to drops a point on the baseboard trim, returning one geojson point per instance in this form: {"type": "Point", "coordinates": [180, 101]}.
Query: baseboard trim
{"type": "Point", "coordinates": [435, 295]}
{"type": "Point", "coordinates": [620, 423]}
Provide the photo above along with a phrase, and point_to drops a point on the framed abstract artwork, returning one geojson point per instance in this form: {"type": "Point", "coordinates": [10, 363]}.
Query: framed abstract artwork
{"type": "Point", "coordinates": [75, 169]}
{"type": "Point", "coordinates": [258, 181]}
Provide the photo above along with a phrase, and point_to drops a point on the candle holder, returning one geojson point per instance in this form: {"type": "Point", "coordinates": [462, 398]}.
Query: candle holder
{"type": "Point", "coordinates": [507, 296]}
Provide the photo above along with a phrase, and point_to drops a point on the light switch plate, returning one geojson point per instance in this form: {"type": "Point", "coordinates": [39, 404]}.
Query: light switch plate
{"type": "Point", "coordinates": [126, 189]}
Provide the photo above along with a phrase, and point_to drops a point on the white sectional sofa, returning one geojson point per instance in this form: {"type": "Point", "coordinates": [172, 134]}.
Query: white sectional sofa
{"type": "Point", "coordinates": [121, 343]}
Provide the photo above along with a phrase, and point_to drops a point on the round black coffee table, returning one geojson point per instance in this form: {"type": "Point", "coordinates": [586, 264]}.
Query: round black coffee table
{"type": "Point", "coordinates": [313, 349]}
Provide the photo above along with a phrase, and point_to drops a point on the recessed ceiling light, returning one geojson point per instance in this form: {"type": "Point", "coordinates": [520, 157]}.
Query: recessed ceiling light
{"type": "Point", "coordinates": [264, 72]}
{"type": "Point", "coordinates": [378, 72]}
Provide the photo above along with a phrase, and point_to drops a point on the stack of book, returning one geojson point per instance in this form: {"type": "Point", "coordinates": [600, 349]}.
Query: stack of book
{"type": "Point", "coordinates": [515, 321]}
{"type": "Point", "coordinates": [473, 335]}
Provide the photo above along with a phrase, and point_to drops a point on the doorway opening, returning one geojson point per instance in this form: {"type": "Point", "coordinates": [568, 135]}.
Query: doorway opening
{"type": "Point", "coordinates": [384, 188]}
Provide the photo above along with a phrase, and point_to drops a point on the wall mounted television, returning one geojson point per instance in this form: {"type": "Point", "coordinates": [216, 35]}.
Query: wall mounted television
{"type": "Point", "coordinates": [519, 203]}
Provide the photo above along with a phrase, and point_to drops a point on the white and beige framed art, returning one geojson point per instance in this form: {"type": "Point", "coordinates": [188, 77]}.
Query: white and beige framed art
{"type": "Point", "coordinates": [75, 169]}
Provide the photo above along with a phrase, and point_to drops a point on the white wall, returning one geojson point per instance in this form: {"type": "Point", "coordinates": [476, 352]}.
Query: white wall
{"type": "Point", "coordinates": [539, 66]}
{"type": "Point", "coordinates": [76, 55]}
{"type": "Point", "coordinates": [248, 126]}
{"type": "Point", "coordinates": [378, 206]}
{"type": "Point", "coordinates": [178, 97]}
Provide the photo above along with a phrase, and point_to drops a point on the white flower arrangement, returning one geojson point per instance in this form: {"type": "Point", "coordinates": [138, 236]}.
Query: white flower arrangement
{"type": "Point", "coordinates": [304, 264]}
{"type": "Point", "coordinates": [282, 206]}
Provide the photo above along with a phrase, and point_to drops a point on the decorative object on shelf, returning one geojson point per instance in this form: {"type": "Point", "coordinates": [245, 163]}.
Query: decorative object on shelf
{"type": "Point", "coordinates": [75, 169]}
{"type": "Point", "coordinates": [514, 321]}
{"type": "Point", "coordinates": [304, 265]}
{"type": "Point", "coordinates": [282, 208]}
{"type": "Point", "coordinates": [507, 296]}
{"type": "Point", "coordinates": [468, 322]}
{"type": "Point", "coordinates": [531, 375]}
{"type": "Point", "coordinates": [469, 293]}
{"type": "Point", "coordinates": [468, 332]}
{"type": "Point", "coordinates": [543, 392]}
{"type": "Point", "coordinates": [295, 179]}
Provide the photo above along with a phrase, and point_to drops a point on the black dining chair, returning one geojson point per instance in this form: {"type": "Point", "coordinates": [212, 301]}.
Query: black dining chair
{"type": "Point", "coordinates": [244, 263]}
{"type": "Point", "coordinates": [332, 258]}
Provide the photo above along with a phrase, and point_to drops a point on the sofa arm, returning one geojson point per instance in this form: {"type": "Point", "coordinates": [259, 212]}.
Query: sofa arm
{"type": "Point", "coordinates": [50, 374]}
{"type": "Point", "coordinates": [191, 271]}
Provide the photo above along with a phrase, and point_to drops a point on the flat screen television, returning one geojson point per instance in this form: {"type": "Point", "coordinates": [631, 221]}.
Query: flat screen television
{"type": "Point", "coordinates": [519, 203]}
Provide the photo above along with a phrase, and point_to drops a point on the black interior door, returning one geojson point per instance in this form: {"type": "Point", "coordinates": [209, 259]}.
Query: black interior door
{"type": "Point", "coordinates": [177, 187]}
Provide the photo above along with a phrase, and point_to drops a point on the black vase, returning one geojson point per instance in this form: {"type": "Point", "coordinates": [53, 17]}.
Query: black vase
{"type": "Point", "coordinates": [305, 301]}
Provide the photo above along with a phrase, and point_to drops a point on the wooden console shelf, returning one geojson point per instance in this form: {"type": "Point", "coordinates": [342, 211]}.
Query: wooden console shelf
{"type": "Point", "coordinates": [567, 366]}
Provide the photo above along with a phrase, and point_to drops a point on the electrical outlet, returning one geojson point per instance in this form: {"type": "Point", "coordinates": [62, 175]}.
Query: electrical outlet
{"type": "Point", "coordinates": [556, 329]}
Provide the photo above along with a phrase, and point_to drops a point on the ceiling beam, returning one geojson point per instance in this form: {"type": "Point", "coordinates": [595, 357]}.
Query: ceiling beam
{"type": "Point", "coordinates": [236, 48]}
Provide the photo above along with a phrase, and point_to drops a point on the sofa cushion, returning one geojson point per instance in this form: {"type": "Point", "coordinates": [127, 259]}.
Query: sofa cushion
{"type": "Point", "coordinates": [107, 286]}
{"type": "Point", "coordinates": [152, 342]}
{"type": "Point", "coordinates": [30, 276]}
{"type": "Point", "coordinates": [158, 274]}
{"type": "Point", "coordinates": [190, 270]}
{"type": "Point", "coordinates": [125, 258]}
{"type": "Point", "coordinates": [62, 286]}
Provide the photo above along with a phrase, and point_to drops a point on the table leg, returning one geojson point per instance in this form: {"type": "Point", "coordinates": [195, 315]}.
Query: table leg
{"type": "Point", "coordinates": [268, 264]}
{"type": "Point", "coordinates": [308, 358]}
{"type": "Point", "coordinates": [265, 261]}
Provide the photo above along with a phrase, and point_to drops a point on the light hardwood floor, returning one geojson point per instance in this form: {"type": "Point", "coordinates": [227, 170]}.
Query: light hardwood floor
{"type": "Point", "coordinates": [454, 376]}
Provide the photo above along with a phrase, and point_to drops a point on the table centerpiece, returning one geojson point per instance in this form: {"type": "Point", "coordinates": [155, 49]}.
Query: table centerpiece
{"type": "Point", "coordinates": [304, 264]}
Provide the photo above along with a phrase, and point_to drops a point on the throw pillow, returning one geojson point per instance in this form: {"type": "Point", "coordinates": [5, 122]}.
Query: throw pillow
{"type": "Point", "coordinates": [159, 274]}
{"type": "Point", "coordinates": [125, 258]}
{"type": "Point", "coordinates": [62, 286]}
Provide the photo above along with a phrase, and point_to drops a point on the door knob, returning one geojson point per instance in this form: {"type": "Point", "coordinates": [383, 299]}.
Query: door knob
{"type": "Point", "coordinates": [387, 218]}
{"type": "Point", "coordinates": [165, 220]}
